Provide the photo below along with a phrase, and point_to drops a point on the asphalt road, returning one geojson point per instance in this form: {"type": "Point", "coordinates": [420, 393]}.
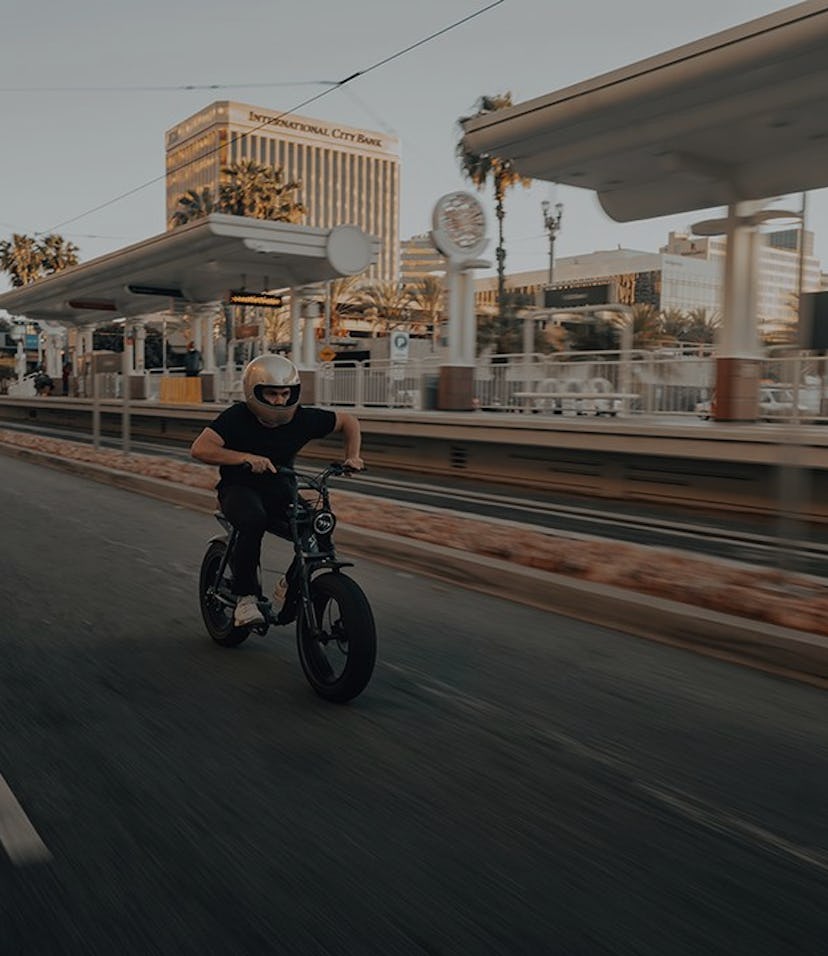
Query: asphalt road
{"type": "Point", "coordinates": [510, 782]}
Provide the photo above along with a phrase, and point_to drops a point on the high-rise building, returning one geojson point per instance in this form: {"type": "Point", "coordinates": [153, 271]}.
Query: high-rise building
{"type": "Point", "coordinates": [348, 175]}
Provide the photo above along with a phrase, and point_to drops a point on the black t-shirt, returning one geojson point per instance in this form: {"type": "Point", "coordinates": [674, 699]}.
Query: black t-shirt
{"type": "Point", "coordinates": [242, 431]}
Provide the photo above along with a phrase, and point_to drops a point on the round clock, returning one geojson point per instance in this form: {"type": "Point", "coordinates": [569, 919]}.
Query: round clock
{"type": "Point", "coordinates": [459, 225]}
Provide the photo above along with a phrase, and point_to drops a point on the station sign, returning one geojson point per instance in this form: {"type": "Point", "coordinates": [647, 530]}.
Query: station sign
{"type": "Point", "coordinates": [242, 297]}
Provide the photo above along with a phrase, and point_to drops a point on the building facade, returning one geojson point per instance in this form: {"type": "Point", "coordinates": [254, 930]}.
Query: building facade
{"type": "Point", "coordinates": [418, 259]}
{"type": "Point", "coordinates": [348, 176]}
{"type": "Point", "coordinates": [686, 274]}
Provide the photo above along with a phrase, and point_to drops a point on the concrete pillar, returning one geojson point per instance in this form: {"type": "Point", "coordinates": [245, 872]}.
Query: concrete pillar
{"type": "Point", "coordinates": [53, 354]}
{"type": "Point", "coordinates": [453, 299]}
{"type": "Point", "coordinates": [737, 363]}
{"type": "Point", "coordinates": [310, 311]}
{"type": "Point", "coordinates": [468, 318]}
{"type": "Point", "coordinates": [140, 338]}
{"type": "Point", "coordinates": [295, 323]}
{"type": "Point", "coordinates": [208, 351]}
{"type": "Point", "coordinates": [528, 336]}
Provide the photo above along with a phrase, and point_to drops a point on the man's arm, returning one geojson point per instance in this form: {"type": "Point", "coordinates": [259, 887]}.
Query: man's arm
{"type": "Point", "coordinates": [209, 448]}
{"type": "Point", "coordinates": [352, 435]}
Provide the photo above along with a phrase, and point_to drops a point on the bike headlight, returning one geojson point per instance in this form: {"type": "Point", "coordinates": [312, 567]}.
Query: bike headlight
{"type": "Point", "coordinates": [323, 522]}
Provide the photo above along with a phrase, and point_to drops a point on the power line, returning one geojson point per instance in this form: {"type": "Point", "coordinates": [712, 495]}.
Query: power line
{"type": "Point", "coordinates": [311, 99]}
{"type": "Point", "coordinates": [185, 87]}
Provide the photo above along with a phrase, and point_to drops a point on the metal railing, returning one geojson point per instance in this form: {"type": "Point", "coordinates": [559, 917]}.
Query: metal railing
{"type": "Point", "coordinates": [668, 382]}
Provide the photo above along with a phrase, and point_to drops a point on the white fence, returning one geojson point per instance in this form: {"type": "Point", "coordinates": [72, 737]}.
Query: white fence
{"type": "Point", "coordinates": [671, 384]}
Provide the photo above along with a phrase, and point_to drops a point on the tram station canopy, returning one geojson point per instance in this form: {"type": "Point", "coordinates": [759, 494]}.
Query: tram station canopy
{"type": "Point", "coordinates": [199, 262]}
{"type": "Point", "coordinates": [738, 115]}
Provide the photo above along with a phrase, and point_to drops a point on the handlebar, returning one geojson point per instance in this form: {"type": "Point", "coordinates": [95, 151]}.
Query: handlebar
{"type": "Point", "coordinates": [334, 470]}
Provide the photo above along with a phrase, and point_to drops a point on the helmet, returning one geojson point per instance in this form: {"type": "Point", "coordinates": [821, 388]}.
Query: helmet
{"type": "Point", "coordinates": [275, 371]}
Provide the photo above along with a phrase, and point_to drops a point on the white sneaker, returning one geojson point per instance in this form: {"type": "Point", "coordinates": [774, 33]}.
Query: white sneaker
{"type": "Point", "coordinates": [247, 611]}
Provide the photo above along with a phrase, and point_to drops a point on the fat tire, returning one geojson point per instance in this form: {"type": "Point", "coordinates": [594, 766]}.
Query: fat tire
{"type": "Point", "coordinates": [358, 621]}
{"type": "Point", "coordinates": [224, 633]}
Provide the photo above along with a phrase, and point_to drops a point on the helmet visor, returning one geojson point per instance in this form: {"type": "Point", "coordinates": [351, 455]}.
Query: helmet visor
{"type": "Point", "coordinates": [292, 398]}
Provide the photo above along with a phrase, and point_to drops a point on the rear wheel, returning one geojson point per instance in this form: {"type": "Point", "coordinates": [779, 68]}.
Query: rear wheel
{"type": "Point", "coordinates": [339, 661]}
{"type": "Point", "coordinates": [217, 615]}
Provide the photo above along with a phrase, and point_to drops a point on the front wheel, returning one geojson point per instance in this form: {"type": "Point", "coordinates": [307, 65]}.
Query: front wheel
{"type": "Point", "coordinates": [339, 661]}
{"type": "Point", "coordinates": [217, 615]}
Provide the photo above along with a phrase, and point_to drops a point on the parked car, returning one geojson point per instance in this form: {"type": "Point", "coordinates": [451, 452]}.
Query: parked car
{"type": "Point", "coordinates": [774, 403]}
{"type": "Point", "coordinates": [778, 403]}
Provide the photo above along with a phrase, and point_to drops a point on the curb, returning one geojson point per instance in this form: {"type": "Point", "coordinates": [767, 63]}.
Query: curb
{"type": "Point", "coordinates": [784, 651]}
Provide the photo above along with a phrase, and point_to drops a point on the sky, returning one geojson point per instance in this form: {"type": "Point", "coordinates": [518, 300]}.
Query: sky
{"type": "Point", "coordinates": [88, 89]}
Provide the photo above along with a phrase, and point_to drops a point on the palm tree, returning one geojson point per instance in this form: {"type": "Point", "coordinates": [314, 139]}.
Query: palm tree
{"type": "Point", "coordinates": [390, 301]}
{"type": "Point", "coordinates": [245, 189]}
{"type": "Point", "coordinates": [26, 258]}
{"type": "Point", "coordinates": [428, 296]}
{"type": "Point", "coordinates": [194, 204]}
{"type": "Point", "coordinates": [702, 326]}
{"type": "Point", "coordinates": [249, 189]}
{"type": "Point", "coordinates": [674, 324]}
{"type": "Point", "coordinates": [479, 168]}
{"type": "Point", "coordinates": [343, 292]}
{"type": "Point", "coordinates": [646, 325]}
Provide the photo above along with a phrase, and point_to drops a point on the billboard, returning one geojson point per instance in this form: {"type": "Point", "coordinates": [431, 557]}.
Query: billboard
{"type": "Point", "coordinates": [578, 295]}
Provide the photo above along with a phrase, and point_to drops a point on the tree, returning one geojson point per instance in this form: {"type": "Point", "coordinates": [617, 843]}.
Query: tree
{"type": "Point", "coordinates": [480, 168]}
{"type": "Point", "coordinates": [390, 301]}
{"type": "Point", "coordinates": [343, 293]}
{"type": "Point", "coordinates": [674, 324]}
{"type": "Point", "coordinates": [702, 326]}
{"type": "Point", "coordinates": [26, 258]}
{"type": "Point", "coordinates": [246, 188]}
{"type": "Point", "coordinates": [194, 204]}
{"type": "Point", "coordinates": [428, 296]}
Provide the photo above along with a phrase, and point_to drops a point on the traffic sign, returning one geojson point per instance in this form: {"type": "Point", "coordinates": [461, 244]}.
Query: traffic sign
{"type": "Point", "coordinates": [327, 354]}
{"type": "Point", "coordinates": [399, 346]}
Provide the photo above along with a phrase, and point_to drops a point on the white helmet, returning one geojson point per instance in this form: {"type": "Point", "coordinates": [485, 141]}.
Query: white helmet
{"type": "Point", "coordinates": [274, 371]}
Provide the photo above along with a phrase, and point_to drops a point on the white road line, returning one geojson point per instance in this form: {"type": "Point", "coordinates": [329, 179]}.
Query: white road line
{"type": "Point", "coordinates": [19, 838]}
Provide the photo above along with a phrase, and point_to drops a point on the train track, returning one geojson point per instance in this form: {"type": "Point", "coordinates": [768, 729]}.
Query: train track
{"type": "Point", "coordinates": [785, 543]}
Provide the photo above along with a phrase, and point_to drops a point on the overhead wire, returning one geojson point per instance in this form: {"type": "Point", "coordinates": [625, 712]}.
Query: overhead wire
{"type": "Point", "coordinates": [307, 102]}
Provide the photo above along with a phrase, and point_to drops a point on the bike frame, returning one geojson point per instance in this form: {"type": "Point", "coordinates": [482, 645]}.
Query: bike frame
{"type": "Point", "coordinates": [313, 551]}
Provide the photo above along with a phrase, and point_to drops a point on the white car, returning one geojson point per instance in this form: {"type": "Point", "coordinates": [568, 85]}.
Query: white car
{"type": "Point", "coordinates": [774, 403]}
{"type": "Point", "coordinates": [778, 403]}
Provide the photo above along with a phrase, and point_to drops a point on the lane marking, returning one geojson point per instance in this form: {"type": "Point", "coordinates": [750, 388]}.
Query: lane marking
{"type": "Point", "coordinates": [17, 835]}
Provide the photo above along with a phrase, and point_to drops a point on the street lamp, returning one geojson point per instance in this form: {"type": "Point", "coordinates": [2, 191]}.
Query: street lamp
{"type": "Point", "coordinates": [552, 224]}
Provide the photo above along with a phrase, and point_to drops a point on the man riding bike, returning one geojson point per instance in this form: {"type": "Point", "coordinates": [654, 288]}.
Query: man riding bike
{"type": "Point", "coordinates": [265, 431]}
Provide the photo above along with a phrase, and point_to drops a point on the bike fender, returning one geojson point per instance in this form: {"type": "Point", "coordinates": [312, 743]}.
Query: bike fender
{"type": "Point", "coordinates": [224, 538]}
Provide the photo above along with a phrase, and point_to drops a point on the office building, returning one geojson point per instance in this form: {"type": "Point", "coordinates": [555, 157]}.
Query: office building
{"type": "Point", "coordinates": [686, 274]}
{"type": "Point", "coordinates": [348, 175]}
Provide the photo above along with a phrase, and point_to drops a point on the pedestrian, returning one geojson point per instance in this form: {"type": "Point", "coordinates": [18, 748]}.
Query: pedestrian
{"type": "Point", "coordinates": [193, 363]}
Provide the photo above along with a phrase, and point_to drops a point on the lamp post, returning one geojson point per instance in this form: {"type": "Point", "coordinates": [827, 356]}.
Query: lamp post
{"type": "Point", "coordinates": [552, 224]}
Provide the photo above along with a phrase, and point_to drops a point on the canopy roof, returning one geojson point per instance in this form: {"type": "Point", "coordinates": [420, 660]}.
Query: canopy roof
{"type": "Point", "coordinates": [737, 115]}
{"type": "Point", "coordinates": [198, 262]}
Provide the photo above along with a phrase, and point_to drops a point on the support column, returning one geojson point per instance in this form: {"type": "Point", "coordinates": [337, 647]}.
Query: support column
{"type": "Point", "coordinates": [738, 361]}
{"type": "Point", "coordinates": [208, 350]}
{"type": "Point", "coordinates": [53, 350]}
{"type": "Point", "coordinates": [454, 331]}
{"type": "Point", "coordinates": [295, 324]}
{"type": "Point", "coordinates": [140, 339]}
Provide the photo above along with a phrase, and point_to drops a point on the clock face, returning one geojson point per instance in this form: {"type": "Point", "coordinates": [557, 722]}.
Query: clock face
{"type": "Point", "coordinates": [460, 216]}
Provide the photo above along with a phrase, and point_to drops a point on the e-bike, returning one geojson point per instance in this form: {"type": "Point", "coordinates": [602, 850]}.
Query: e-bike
{"type": "Point", "coordinates": [335, 631]}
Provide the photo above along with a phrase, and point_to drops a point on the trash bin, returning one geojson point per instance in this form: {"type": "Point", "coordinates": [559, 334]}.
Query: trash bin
{"type": "Point", "coordinates": [431, 385]}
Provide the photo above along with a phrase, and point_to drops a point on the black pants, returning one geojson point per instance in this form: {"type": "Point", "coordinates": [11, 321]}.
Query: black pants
{"type": "Point", "coordinates": [252, 512]}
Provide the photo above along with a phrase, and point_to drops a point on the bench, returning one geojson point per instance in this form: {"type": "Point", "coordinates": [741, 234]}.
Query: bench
{"type": "Point", "coordinates": [528, 399]}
